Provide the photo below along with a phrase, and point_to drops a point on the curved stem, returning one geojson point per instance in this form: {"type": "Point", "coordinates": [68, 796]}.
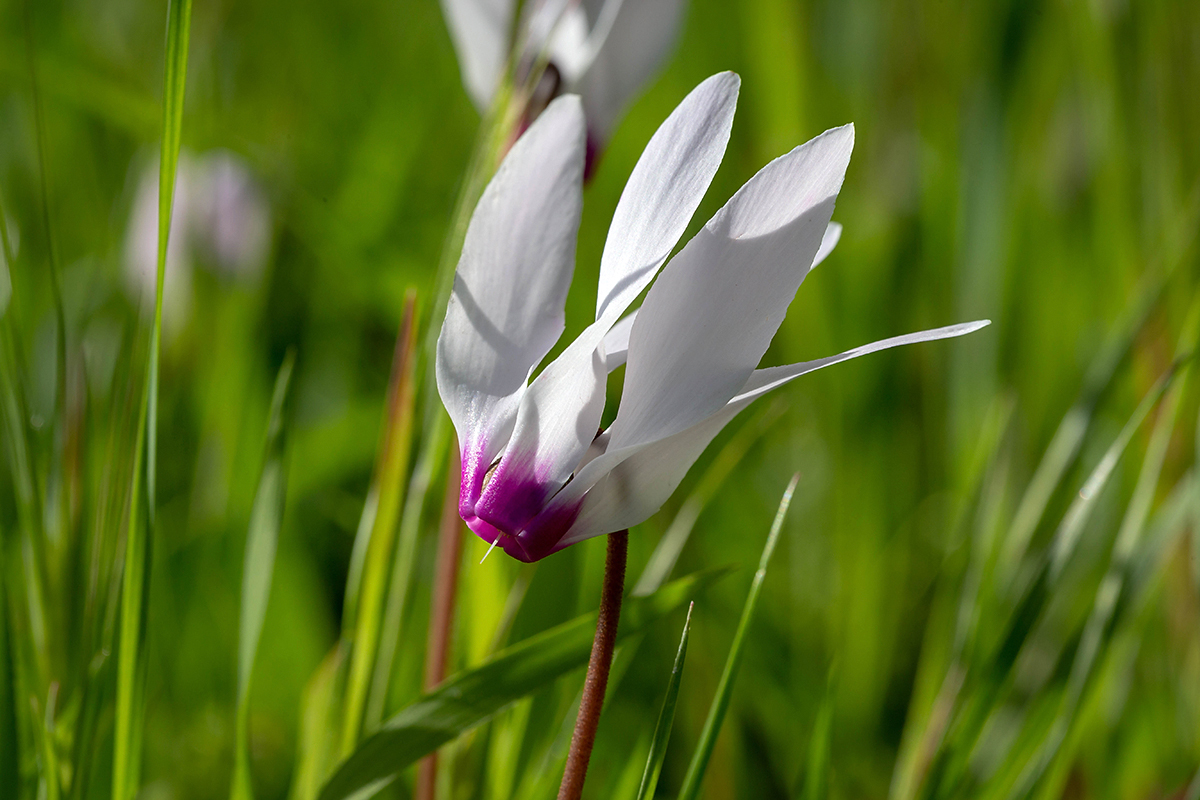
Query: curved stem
{"type": "Point", "coordinates": [597, 674]}
{"type": "Point", "coordinates": [441, 612]}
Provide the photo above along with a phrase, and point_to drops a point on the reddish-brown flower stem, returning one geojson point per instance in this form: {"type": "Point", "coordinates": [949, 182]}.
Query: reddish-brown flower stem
{"type": "Point", "coordinates": [596, 682]}
{"type": "Point", "coordinates": [441, 612]}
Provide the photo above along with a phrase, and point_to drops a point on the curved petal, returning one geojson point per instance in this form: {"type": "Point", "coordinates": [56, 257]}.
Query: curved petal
{"type": "Point", "coordinates": [480, 31]}
{"type": "Point", "coordinates": [506, 309]}
{"type": "Point", "coordinates": [663, 191]}
{"type": "Point", "coordinates": [833, 234]}
{"type": "Point", "coordinates": [710, 316]}
{"type": "Point", "coordinates": [616, 341]}
{"type": "Point", "coordinates": [631, 39]}
{"type": "Point", "coordinates": [619, 489]}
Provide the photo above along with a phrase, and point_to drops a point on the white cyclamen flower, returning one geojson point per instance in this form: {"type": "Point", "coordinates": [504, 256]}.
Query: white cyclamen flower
{"type": "Point", "coordinates": [219, 214]}
{"type": "Point", "coordinates": [604, 50]}
{"type": "Point", "coordinates": [536, 475]}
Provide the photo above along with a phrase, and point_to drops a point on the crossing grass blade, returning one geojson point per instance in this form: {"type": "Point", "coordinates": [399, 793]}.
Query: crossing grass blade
{"type": "Point", "coordinates": [320, 715]}
{"type": "Point", "coordinates": [1096, 635]}
{"type": "Point", "coordinates": [472, 697]}
{"type": "Point", "coordinates": [1065, 445]}
{"type": "Point", "coordinates": [390, 482]}
{"type": "Point", "coordinates": [663, 559]}
{"type": "Point", "coordinates": [816, 775]}
{"type": "Point", "coordinates": [131, 654]}
{"type": "Point", "coordinates": [262, 538]}
{"type": "Point", "coordinates": [720, 703]}
{"type": "Point", "coordinates": [662, 728]}
{"type": "Point", "coordinates": [990, 673]}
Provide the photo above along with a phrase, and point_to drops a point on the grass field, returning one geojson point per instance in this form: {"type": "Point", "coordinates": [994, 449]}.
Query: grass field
{"type": "Point", "coordinates": [987, 584]}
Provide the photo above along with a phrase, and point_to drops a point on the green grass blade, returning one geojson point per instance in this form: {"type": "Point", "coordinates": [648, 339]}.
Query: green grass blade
{"type": "Point", "coordinates": [1067, 536]}
{"type": "Point", "coordinates": [319, 726]}
{"type": "Point", "coordinates": [720, 703]}
{"type": "Point", "coordinates": [662, 560]}
{"type": "Point", "coordinates": [135, 578]}
{"type": "Point", "coordinates": [816, 776]}
{"type": "Point", "coordinates": [1095, 633]}
{"type": "Point", "coordinates": [662, 728]}
{"type": "Point", "coordinates": [992, 672]}
{"type": "Point", "coordinates": [473, 696]}
{"type": "Point", "coordinates": [1068, 438]}
{"type": "Point", "coordinates": [389, 488]}
{"type": "Point", "coordinates": [266, 517]}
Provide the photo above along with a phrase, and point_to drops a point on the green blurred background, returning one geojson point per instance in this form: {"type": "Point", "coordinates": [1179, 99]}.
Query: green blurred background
{"type": "Point", "coordinates": [1027, 162]}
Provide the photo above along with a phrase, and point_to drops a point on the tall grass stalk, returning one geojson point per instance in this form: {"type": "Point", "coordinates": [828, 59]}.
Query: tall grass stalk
{"type": "Point", "coordinates": [139, 532]}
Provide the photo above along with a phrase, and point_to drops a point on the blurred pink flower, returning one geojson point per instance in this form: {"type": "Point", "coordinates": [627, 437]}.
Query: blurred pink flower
{"type": "Point", "coordinates": [220, 219]}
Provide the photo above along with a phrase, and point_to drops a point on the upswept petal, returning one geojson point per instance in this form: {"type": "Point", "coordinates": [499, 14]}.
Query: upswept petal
{"type": "Point", "coordinates": [479, 30]}
{"type": "Point", "coordinates": [559, 415]}
{"type": "Point", "coordinates": [630, 38]}
{"type": "Point", "coordinates": [666, 185]}
{"type": "Point", "coordinates": [621, 488]}
{"type": "Point", "coordinates": [710, 316]}
{"type": "Point", "coordinates": [616, 341]}
{"type": "Point", "coordinates": [506, 309]}
{"type": "Point", "coordinates": [833, 234]}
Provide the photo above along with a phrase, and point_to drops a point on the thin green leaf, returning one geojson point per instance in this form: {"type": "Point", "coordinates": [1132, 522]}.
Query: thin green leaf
{"type": "Point", "coordinates": [48, 786]}
{"type": "Point", "coordinates": [135, 579]}
{"type": "Point", "coordinates": [993, 671]}
{"type": "Point", "coordinates": [662, 728]}
{"type": "Point", "coordinates": [389, 489]}
{"type": "Point", "coordinates": [472, 697]}
{"type": "Point", "coordinates": [1068, 438]}
{"type": "Point", "coordinates": [1095, 631]}
{"type": "Point", "coordinates": [720, 703]}
{"type": "Point", "coordinates": [320, 716]}
{"type": "Point", "coordinates": [666, 553]}
{"type": "Point", "coordinates": [816, 775]}
{"type": "Point", "coordinates": [266, 516]}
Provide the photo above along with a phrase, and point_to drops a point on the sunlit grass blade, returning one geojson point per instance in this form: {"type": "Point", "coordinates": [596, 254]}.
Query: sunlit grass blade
{"type": "Point", "coordinates": [472, 697]}
{"type": "Point", "coordinates": [49, 785]}
{"type": "Point", "coordinates": [262, 539]}
{"type": "Point", "coordinates": [1068, 438]}
{"type": "Point", "coordinates": [820, 748]}
{"type": "Point", "coordinates": [399, 585]}
{"type": "Point", "coordinates": [987, 676]}
{"type": "Point", "coordinates": [666, 554]}
{"type": "Point", "coordinates": [320, 726]}
{"type": "Point", "coordinates": [666, 716]}
{"type": "Point", "coordinates": [131, 656]}
{"type": "Point", "coordinates": [720, 703]}
{"type": "Point", "coordinates": [1094, 638]}
{"type": "Point", "coordinates": [391, 473]}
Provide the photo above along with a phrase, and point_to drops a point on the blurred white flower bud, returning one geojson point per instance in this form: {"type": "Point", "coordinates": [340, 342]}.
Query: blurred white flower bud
{"type": "Point", "coordinates": [220, 219]}
{"type": "Point", "coordinates": [141, 243]}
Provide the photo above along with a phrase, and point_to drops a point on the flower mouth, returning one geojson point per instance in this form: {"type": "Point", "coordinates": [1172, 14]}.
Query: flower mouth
{"type": "Point", "coordinates": [507, 542]}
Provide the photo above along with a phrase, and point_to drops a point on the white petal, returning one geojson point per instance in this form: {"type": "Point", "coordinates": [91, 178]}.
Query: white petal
{"type": "Point", "coordinates": [833, 234]}
{"type": "Point", "coordinates": [664, 190]}
{"type": "Point", "coordinates": [710, 316]}
{"type": "Point", "coordinates": [480, 31]}
{"type": "Point", "coordinates": [626, 487]}
{"type": "Point", "coordinates": [616, 342]}
{"type": "Point", "coordinates": [764, 380]}
{"type": "Point", "coordinates": [631, 38]}
{"type": "Point", "coordinates": [506, 309]}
